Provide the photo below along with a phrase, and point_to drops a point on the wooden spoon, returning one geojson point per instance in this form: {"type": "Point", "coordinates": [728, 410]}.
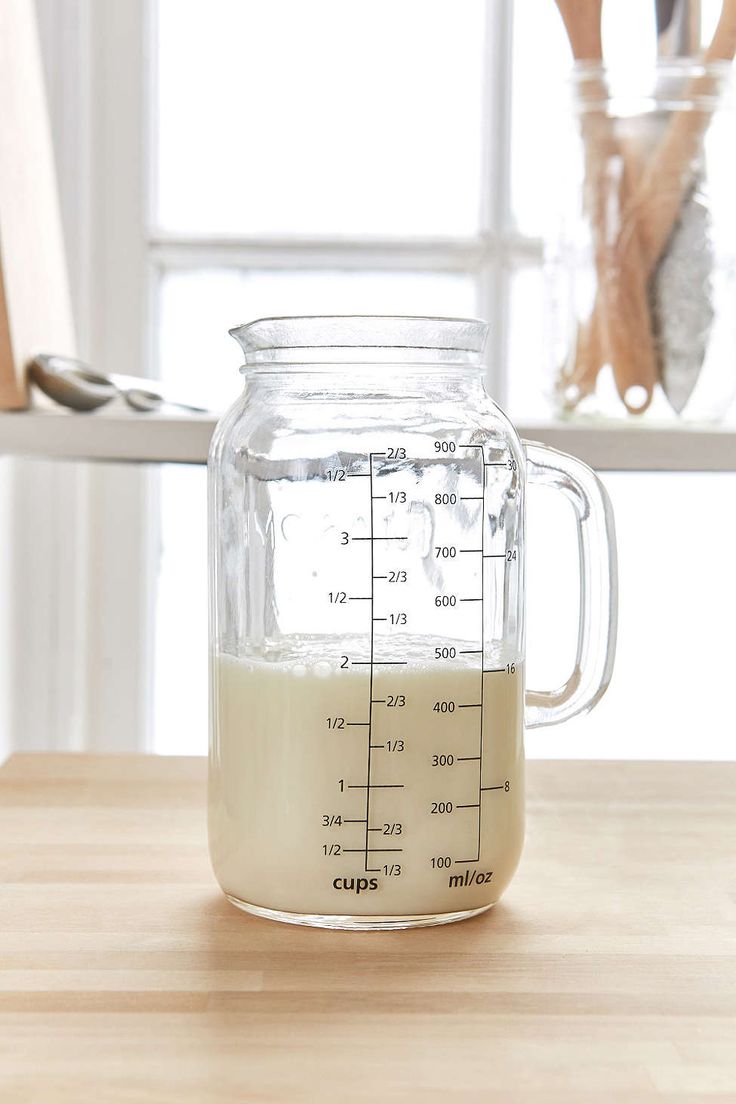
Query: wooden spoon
{"type": "Point", "coordinates": [668, 174]}
{"type": "Point", "coordinates": [582, 19]}
{"type": "Point", "coordinates": [620, 328]}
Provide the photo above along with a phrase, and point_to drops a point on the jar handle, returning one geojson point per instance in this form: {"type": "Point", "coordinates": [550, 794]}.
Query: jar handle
{"type": "Point", "coordinates": [598, 617]}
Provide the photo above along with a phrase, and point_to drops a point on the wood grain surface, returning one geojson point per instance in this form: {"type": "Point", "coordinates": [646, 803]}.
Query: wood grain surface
{"type": "Point", "coordinates": [608, 972]}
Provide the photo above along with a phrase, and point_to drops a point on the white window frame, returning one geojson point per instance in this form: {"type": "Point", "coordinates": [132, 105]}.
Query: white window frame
{"type": "Point", "coordinates": [489, 255]}
{"type": "Point", "coordinates": [86, 537]}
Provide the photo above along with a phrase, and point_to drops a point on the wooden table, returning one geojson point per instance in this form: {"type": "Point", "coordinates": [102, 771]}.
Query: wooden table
{"type": "Point", "coordinates": [608, 973]}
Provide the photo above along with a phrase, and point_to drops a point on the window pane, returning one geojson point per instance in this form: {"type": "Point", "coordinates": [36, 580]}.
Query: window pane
{"type": "Point", "coordinates": [322, 117]}
{"type": "Point", "coordinates": [531, 355]}
{"type": "Point", "coordinates": [675, 651]}
{"type": "Point", "coordinates": [197, 307]}
{"type": "Point", "coordinates": [541, 64]}
{"type": "Point", "coordinates": [675, 655]}
{"type": "Point", "coordinates": [180, 676]}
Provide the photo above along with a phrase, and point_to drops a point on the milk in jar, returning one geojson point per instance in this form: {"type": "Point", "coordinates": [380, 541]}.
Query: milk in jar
{"type": "Point", "coordinates": [294, 827]}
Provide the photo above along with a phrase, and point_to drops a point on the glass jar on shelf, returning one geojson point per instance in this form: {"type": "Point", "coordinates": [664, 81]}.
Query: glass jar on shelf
{"type": "Point", "coordinates": [642, 275]}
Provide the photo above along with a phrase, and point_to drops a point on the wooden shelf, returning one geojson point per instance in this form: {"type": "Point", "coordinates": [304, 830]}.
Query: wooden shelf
{"type": "Point", "coordinates": [184, 439]}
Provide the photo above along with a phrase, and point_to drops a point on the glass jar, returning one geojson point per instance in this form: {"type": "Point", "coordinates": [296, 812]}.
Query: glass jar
{"type": "Point", "coordinates": [643, 273]}
{"type": "Point", "coordinates": [367, 624]}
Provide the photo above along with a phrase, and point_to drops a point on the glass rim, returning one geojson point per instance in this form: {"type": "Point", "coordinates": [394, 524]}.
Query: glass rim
{"type": "Point", "coordinates": [673, 84]}
{"type": "Point", "coordinates": [265, 340]}
{"type": "Point", "coordinates": [666, 66]}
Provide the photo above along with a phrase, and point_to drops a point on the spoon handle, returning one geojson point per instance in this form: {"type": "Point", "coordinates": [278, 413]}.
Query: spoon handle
{"type": "Point", "coordinates": [146, 401]}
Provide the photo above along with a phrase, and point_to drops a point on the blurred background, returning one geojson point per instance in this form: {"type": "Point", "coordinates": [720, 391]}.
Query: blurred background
{"type": "Point", "coordinates": [232, 159]}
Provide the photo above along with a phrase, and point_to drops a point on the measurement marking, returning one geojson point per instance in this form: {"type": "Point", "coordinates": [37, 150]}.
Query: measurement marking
{"type": "Point", "coordinates": [471, 498]}
{"type": "Point", "coordinates": [357, 724]}
{"type": "Point", "coordinates": [370, 687]}
{"type": "Point", "coordinates": [376, 497]}
{"type": "Point", "coordinates": [467, 758]}
{"type": "Point", "coordinates": [378, 786]}
{"type": "Point", "coordinates": [471, 651]}
{"type": "Point", "coordinates": [379, 618]}
{"type": "Point", "coordinates": [485, 789]}
{"type": "Point", "coordinates": [368, 599]}
{"type": "Point", "coordinates": [494, 555]}
{"type": "Point", "coordinates": [378, 745]}
{"type": "Point", "coordinates": [379, 701]}
{"type": "Point", "coordinates": [380, 576]}
{"type": "Point", "coordinates": [477, 705]}
{"type": "Point", "coordinates": [359, 821]}
{"type": "Point", "coordinates": [471, 599]}
{"type": "Point", "coordinates": [482, 641]}
{"type": "Point", "coordinates": [495, 464]}
{"type": "Point", "coordinates": [471, 446]}
{"type": "Point", "coordinates": [470, 549]}
{"type": "Point", "coordinates": [465, 861]}
{"type": "Point", "coordinates": [371, 850]}
{"type": "Point", "coordinates": [476, 805]}
{"type": "Point", "coordinates": [494, 670]}
{"type": "Point", "coordinates": [375, 829]}
{"type": "Point", "coordinates": [377, 538]}
{"type": "Point", "coordinates": [383, 662]}
{"type": "Point", "coordinates": [358, 475]}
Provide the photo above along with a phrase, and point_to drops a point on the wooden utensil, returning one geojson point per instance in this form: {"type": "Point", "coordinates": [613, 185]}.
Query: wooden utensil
{"type": "Point", "coordinates": [35, 306]}
{"type": "Point", "coordinates": [582, 19]}
{"type": "Point", "coordinates": [620, 328]}
{"type": "Point", "coordinates": [667, 176]}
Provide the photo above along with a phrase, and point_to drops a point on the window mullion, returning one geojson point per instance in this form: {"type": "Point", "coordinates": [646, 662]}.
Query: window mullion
{"type": "Point", "coordinates": [461, 254]}
{"type": "Point", "coordinates": [496, 189]}
{"type": "Point", "coordinates": [122, 526]}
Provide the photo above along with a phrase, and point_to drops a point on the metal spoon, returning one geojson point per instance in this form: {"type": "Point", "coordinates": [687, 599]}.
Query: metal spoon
{"type": "Point", "coordinates": [75, 385]}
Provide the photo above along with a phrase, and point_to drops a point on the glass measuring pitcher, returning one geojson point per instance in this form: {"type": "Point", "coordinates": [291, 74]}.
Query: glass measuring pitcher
{"type": "Point", "coordinates": [367, 505]}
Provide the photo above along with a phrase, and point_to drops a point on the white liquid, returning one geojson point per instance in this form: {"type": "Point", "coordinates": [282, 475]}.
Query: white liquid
{"type": "Point", "coordinates": [288, 802]}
